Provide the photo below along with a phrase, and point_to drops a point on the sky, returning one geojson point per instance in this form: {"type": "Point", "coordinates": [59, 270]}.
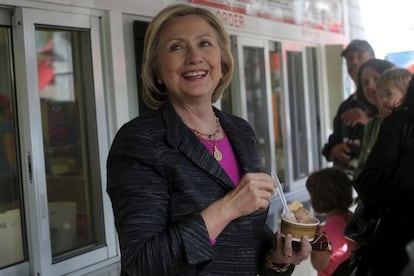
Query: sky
{"type": "Point", "coordinates": [389, 26]}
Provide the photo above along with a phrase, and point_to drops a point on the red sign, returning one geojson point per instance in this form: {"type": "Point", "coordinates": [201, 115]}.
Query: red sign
{"type": "Point", "coordinates": [322, 15]}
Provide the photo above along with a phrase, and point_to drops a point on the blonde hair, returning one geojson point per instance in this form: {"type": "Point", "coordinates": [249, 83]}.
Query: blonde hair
{"type": "Point", "coordinates": [154, 94]}
{"type": "Point", "coordinates": [395, 77]}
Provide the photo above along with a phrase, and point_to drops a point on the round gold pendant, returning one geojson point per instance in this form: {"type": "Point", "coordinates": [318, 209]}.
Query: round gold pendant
{"type": "Point", "coordinates": [217, 154]}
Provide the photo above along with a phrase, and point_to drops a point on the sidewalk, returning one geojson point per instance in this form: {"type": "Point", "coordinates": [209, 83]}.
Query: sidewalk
{"type": "Point", "coordinates": [304, 269]}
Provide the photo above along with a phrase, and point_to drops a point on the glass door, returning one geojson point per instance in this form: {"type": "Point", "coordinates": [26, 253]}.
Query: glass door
{"type": "Point", "coordinates": [275, 88]}
{"type": "Point", "coordinates": [278, 108]}
{"type": "Point", "coordinates": [63, 140]}
{"type": "Point", "coordinates": [250, 92]}
{"type": "Point", "coordinates": [301, 106]}
{"type": "Point", "coordinates": [67, 118]}
{"type": "Point", "coordinates": [13, 246]}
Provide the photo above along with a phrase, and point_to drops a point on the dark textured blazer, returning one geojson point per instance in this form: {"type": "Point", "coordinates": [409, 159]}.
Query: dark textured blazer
{"type": "Point", "coordinates": [159, 178]}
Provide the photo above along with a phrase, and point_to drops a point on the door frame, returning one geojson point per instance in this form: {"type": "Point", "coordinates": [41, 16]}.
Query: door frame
{"type": "Point", "coordinates": [31, 140]}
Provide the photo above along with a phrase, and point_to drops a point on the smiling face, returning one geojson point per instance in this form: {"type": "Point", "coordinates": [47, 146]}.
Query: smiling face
{"type": "Point", "coordinates": [189, 59]}
{"type": "Point", "coordinates": [369, 78]}
{"type": "Point", "coordinates": [353, 60]}
{"type": "Point", "coordinates": [388, 99]}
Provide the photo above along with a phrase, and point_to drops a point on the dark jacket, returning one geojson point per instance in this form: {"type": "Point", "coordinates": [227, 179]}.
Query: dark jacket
{"type": "Point", "coordinates": [160, 177]}
{"type": "Point", "coordinates": [340, 131]}
{"type": "Point", "coordinates": [387, 177]}
{"type": "Point", "coordinates": [386, 188]}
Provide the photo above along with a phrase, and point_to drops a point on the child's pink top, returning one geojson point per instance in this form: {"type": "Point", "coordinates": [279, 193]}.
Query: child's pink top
{"type": "Point", "coordinates": [341, 247]}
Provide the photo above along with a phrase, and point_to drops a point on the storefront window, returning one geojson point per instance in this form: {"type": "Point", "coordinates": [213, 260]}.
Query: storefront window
{"type": "Point", "coordinates": [276, 82]}
{"type": "Point", "coordinates": [69, 140]}
{"type": "Point", "coordinates": [257, 113]}
{"type": "Point", "coordinates": [11, 234]}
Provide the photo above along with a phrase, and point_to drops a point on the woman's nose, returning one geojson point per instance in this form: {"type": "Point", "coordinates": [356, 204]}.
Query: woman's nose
{"type": "Point", "coordinates": [193, 55]}
{"type": "Point", "coordinates": [373, 84]}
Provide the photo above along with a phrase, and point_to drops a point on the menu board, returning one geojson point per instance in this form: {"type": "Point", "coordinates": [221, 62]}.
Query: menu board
{"type": "Point", "coordinates": [324, 15]}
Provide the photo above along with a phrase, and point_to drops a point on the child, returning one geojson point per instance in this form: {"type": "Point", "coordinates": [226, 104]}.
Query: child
{"type": "Point", "coordinates": [330, 192]}
{"type": "Point", "coordinates": [390, 90]}
{"type": "Point", "coordinates": [385, 187]}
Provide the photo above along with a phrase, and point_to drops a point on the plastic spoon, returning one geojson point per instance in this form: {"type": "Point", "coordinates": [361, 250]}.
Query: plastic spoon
{"type": "Point", "coordinates": [286, 213]}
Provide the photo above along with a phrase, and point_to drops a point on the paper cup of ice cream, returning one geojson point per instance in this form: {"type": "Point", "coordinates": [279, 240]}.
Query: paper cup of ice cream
{"type": "Point", "coordinates": [302, 224]}
{"type": "Point", "coordinates": [297, 230]}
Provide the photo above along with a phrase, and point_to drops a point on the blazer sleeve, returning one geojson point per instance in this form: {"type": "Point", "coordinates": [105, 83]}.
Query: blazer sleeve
{"type": "Point", "coordinates": [150, 244]}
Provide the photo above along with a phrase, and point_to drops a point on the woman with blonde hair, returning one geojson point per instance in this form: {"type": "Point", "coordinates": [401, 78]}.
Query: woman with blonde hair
{"type": "Point", "coordinates": [188, 189]}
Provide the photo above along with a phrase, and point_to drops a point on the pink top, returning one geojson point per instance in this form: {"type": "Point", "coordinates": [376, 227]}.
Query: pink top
{"type": "Point", "coordinates": [341, 248]}
{"type": "Point", "coordinates": [229, 161]}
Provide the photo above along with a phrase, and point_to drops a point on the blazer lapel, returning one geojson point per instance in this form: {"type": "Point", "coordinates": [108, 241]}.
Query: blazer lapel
{"type": "Point", "coordinates": [183, 138]}
{"type": "Point", "coordinates": [243, 141]}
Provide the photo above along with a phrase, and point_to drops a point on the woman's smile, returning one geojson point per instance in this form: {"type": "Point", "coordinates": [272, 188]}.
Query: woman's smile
{"type": "Point", "coordinates": [189, 59]}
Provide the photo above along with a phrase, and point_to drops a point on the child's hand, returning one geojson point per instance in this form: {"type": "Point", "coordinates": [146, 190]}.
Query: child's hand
{"type": "Point", "coordinates": [320, 242]}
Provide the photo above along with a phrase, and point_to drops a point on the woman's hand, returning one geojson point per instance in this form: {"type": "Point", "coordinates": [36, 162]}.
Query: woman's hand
{"type": "Point", "coordinates": [283, 253]}
{"type": "Point", "coordinates": [253, 193]}
{"type": "Point", "coordinates": [354, 116]}
{"type": "Point", "coordinates": [341, 152]}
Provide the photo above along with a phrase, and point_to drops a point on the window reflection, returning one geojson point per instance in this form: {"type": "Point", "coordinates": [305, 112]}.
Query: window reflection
{"type": "Point", "coordinates": [11, 235]}
{"type": "Point", "coordinates": [275, 78]}
{"type": "Point", "coordinates": [254, 73]}
{"type": "Point", "coordinates": [297, 114]}
{"type": "Point", "coordinates": [69, 139]}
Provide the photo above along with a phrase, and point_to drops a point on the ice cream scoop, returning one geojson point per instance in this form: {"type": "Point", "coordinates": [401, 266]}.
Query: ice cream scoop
{"type": "Point", "coordinates": [286, 213]}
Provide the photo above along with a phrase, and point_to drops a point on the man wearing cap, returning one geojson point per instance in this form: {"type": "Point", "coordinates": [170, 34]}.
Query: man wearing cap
{"type": "Point", "coordinates": [343, 144]}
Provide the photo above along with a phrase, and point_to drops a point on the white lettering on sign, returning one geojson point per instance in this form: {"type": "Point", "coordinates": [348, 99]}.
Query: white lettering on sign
{"type": "Point", "coordinates": [230, 19]}
{"type": "Point", "coordinates": [311, 34]}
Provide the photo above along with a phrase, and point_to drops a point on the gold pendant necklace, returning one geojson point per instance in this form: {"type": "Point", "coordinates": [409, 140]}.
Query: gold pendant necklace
{"type": "Point", "coordinates": [216, 152]}
{"type": "Point", "coordinates": [209, 135]}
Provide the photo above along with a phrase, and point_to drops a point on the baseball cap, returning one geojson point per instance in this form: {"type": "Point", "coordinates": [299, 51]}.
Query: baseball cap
{"type": "Point", "coordinates": [358, 45]}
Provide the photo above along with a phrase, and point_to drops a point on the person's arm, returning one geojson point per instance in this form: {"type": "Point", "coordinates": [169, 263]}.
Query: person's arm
{"type": "Point", "coordinates": [371, 182]}
{"type": "Point", "coordinates": [251, 194]}
{"type": "Point", "coordinates": [354, 116]}
{"type": "Point", "coordinates": [320, 259]}
{"type": "Point", "coordinates": [275, 262]}
{"type": "Point", "coordinates": [151, 244]}
{"type": "Point", "coordinates": [335, 138]}
{"type": "Point", "coordinates": [336, 149]}
{"type": "Point", "coordinates": [323, 250]}
{"type": "Point", "coordinates": [363, 154]}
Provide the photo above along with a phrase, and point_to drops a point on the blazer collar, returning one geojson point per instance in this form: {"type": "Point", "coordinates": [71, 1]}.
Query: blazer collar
{"type": "Point", "coordinates": [243, 141]}
{"type": "Point", "coordinates": [241, 138]}
{"type": "Point", "coordinates": [182, 138]}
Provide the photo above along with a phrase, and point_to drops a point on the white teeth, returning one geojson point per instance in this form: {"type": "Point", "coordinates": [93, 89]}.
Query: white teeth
{"type": "Point", "coordinates": [194, 74]}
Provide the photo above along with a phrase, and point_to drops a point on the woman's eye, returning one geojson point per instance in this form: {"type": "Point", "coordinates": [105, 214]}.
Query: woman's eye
{"type": "Point", "coordinates": [205, 43]}
{"type": "Point", "coordinates": [175, 47]}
